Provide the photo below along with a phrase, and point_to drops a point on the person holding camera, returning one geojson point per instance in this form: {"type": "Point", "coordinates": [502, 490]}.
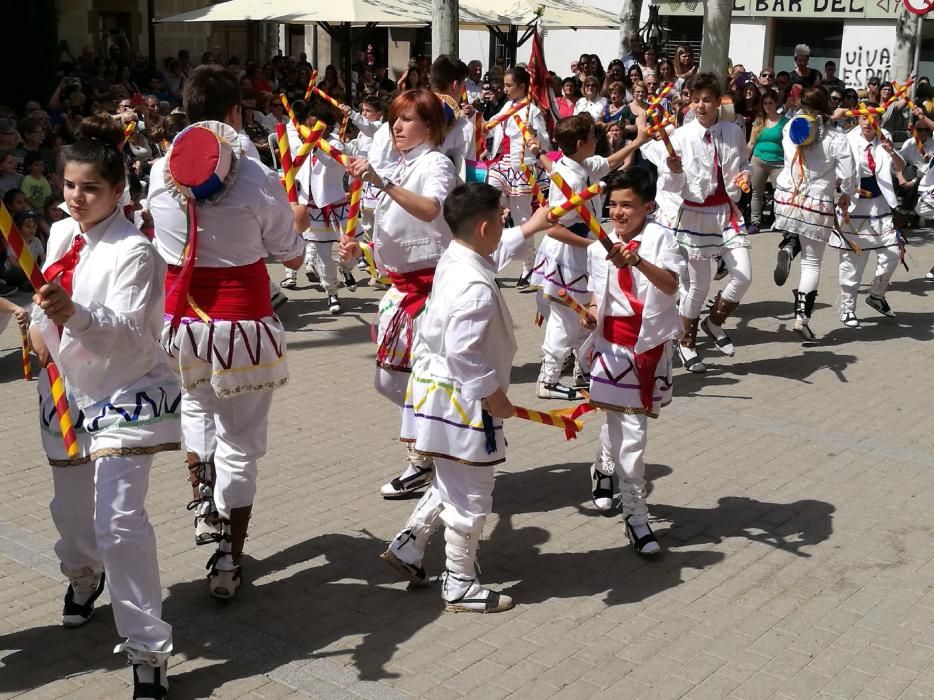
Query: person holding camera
{"type": "Point", "coordinates": [493, 97]}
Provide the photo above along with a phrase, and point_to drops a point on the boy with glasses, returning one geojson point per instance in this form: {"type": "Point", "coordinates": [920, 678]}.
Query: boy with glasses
{"type": "Point", "coordinates": [767, 77]}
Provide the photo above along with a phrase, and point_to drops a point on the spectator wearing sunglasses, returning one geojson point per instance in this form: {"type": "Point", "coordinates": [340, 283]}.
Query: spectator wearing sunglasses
{"type": "Point", "coordinates": [767, 78]}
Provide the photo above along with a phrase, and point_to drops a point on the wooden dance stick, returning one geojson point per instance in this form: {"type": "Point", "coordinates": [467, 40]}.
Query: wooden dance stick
{"type": "Point", "coordinates": [311, 83]}
{"type": "Point", "coordinates": [574, 305]}
{"type": "Point", "coordinates": [524, 167]}
{"type": "Point", "coordinates": [659, 127]}
{"type": "Point", "coordinates": [511, 112]}
{"type": "Point", "coordinates": [28, 264]}
{"type": "Point", "coordinates": [871, 114]}
{"type": "Point", "coordinates": [353, 210]}
{"type": "Point", "coordinates": [656, 103]}
{"type": "Point", "coordinates": [575, 202]}
{"type": "Point", "coordinates": [128, 131]}
{"type": "Point", "coordinates": [571, 427]}
{"type": "Point", "coordinates": [288, 169]}
{"type": "Point", "coordinates": [584, 212]}
{"type": "Point", "coordinates": [290, 111]}
{"type": "Point", "coordinates": [24, 346]}
{"type": "Point", "coordinates": [901, 93]}
{"type": "Point", "coordinates": [479, 144]}
{"type": "Point", "coordinates": [327, 98]}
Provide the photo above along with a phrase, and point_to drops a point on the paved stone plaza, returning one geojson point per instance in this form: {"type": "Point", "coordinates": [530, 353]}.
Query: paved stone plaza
{"type": "Point", "coordinates": [790, 489]}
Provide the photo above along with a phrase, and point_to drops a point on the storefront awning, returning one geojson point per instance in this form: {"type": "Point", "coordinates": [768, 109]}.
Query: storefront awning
{"type": "Point", "coordinates": [355, 12]}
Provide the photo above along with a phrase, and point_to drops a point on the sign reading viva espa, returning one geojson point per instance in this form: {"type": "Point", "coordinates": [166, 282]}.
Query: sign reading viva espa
{"type": "Point", "coordinates": [823, 9]}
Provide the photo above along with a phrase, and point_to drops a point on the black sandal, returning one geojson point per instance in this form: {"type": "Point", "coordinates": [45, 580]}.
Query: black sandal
{"type": "Point", "coordinates": [641, 544]}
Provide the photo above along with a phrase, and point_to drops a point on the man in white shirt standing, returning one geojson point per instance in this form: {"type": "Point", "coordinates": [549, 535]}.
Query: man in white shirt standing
{"type": "Point", "coordinates": [229, 346]}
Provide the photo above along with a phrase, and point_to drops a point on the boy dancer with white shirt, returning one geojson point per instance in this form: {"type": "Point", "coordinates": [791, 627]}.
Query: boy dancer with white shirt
{"type": "Point", "coordinates": [456, 399]}
{"type": "Point", "coordinates": [561, 262]}
{"type": "Point", "coordinates": [706, 172]}
{"type": "Point", "coordinates": [634, 316]}
{"type": "Point", "coordinates": [871, 218]}
{"type": "Point", "coordinates": [322, 203]}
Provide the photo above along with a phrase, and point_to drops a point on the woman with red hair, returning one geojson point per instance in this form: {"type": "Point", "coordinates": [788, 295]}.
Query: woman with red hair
{"type": "Point", "coordinates": [409, 236]}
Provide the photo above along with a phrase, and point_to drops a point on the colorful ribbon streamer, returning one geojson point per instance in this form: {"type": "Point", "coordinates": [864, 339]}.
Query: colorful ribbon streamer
{"type": "Point", "coordinates": [15, 240]}
{"type": "Point", "coordinates": [552, 418]}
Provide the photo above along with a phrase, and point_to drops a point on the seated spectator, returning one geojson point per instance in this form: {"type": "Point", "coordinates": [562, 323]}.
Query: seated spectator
{"type": "Point", "coordinates": [15, 201]}
{"type": "Point", "coordinates": [9, 178]}
{"type": "Point", "coordinates": [27, 223]}
{"type": "Point", "coordinates": [35, 186]}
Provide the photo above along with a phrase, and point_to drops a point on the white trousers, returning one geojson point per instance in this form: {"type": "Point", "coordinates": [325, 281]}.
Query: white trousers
{"type": "Point", "coordinates": [740, 267]}
{"type": "Point", "coordinates": [99, 511]}
{"type": "Point", "coordinates": [520, 208]}
{"type": "Point", "coordinates": [563, 334]}
{"type": "Point", "coordinates": [812, 252]}
{"type": "Point", "coordinates": [233, 430]}
{"type": "Point", "coordinates": [851, 272]}
{"type": "Point", "coordinates": [319, 257]}
{"type": "Point", "coordinates": [625, 439]}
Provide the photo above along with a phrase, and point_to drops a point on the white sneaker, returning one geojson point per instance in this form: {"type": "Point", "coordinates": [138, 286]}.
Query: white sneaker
{"type": "Point", "coordinates": [79, 599]}
{"type": "Point", "coordinates": [468, 595]}
{"type": "Point", "coordinates": [223, 575]}
{"type": "Point", "coordinates": [334, 306]}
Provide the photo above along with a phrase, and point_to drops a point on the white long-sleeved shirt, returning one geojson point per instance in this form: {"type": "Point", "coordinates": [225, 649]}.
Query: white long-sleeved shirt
{"type": "Point", "coordinates": [660, 319]}
{"type": "Point", "coordinates": [366, 131]}
{"type": "Point", "coordinates": [699, 177]}
{"type": "Point", "coordinates": [825, 162]}
{"type": "Point", "coordinates": [110, 345]}
{"type": "Point", "coordinates": [881, 157]}
{"type": "Point", "coordinates": [535, 120]}
{"type": "Point", "coordinates": [577, 176]}
{"type": "Point", "coordinates": [403, 242]}
{"type": "Point", "coordinates": [910, 154]}
{"type": "Point", "coordinates": [251, 222]}
{"type": "Point", "coordinates": [320, 180]}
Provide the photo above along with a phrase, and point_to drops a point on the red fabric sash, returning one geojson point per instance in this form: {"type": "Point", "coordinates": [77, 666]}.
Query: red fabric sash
{"type": "Point", "coordinates": [223, 293]}
{"type": "Point", "coordinates": [624, 330]}
{"type": "Point", "coordinates": [416, 286]}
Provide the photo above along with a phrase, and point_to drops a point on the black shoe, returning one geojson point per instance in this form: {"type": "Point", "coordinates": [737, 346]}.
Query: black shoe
{"type": "Point", "coordinates": [782, 266]}
{"type": "Point", "coordinates": [880, 305]}
{"type": "Point", "coordinates": [556, 391]}
{"type": "Point", "coordinates": [721, 269]}
{"type": "Point", "coordinates": [350, 284]}
{"type": "Point", "coordinates": [601, 490]}
{"type": "Point", "coordinates": [523, 282]}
